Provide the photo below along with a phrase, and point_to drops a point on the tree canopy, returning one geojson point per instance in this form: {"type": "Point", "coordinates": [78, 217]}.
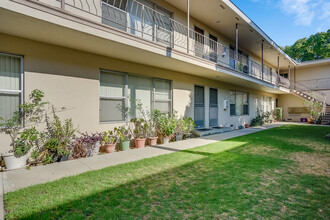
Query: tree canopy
{"type": "Point", "coordinates": [315, 47]}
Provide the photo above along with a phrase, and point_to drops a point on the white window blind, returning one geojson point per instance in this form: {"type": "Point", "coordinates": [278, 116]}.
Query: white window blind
{"type": "Point", "coordinates": [112, 98]}
{"type": "Point", "coordinates": [120, 91]}
{"type": "Point", "coordinates": [139, 91]}
{"type": "Point", "coordinates": [163, 96]}
{"type": "Point", "coordinates": [239, 103]}
{"type": "Point", "coordinates": [11, 93]}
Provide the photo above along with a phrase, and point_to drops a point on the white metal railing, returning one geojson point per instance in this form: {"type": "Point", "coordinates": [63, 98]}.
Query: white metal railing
{"type": "Point", "coordinates": [284, 82]}
{"type": "Point", "coordinates": [138, 19]}
{"type": "Point", "coordinates": [319, 96]}
{"type": "Point", "coordinates": [317, 84]}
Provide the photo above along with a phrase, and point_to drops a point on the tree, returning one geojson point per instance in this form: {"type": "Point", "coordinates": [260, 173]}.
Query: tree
{"type": "Point", "coordinates": [315, 47]}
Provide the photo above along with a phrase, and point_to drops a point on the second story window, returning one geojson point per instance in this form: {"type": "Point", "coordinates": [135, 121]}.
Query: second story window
{"type": "Point", "coordinates": [240, 62]}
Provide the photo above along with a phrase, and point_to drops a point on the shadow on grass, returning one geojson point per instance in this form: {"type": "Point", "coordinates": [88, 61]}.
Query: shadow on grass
{"type": "Point", "coordinates": [212, 181]}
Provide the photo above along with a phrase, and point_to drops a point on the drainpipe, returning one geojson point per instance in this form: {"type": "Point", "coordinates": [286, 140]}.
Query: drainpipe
{"type": "Point", "coordinates": [188, 24]}
{"type": "Point", "coordinates": [262, 59]}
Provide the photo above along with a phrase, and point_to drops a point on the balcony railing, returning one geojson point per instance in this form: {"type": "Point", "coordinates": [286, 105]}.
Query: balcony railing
{"type": "Point", "coordinates": [316, 84]}
{"type": "Point", "coordinates": [140, 20]}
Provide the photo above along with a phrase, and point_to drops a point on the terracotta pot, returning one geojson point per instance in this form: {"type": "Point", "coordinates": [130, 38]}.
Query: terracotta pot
{"type": "Point", "coordinates": [153, 141]}
{"type": "Point", "coordinates": [110, 148]}
{"type": "Point", "coordinates": [310, 120]}
{"type": "Point", "coordinates": [140, 142]}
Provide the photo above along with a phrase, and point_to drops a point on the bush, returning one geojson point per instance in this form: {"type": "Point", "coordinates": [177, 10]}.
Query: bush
{"type": "Point", "coordinates": [258, 120]}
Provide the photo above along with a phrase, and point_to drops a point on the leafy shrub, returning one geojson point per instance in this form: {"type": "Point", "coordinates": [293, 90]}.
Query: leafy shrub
{"type": "Point", "coordinates": [258, 120]}
{"type": "Point", "coordinates": [84, 145]}
{"type": "Point", "coordinates": [30, 113]}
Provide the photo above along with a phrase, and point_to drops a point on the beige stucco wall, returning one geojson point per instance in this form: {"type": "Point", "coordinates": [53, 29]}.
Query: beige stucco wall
{"type": "Point", "coordinates": [286, 101]}
{"type": "Point", "coordinates": [313, 72]}
{"type": "Point", "coordinates": [70, 79]}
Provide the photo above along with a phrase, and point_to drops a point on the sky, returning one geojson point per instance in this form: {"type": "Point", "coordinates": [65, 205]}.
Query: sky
{"type": "Point", "coordinates": [286, 21]}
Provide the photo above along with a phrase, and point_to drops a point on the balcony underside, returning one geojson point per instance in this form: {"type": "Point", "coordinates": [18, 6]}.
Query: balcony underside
{"type": "Point", "coordinates": [54, 27]}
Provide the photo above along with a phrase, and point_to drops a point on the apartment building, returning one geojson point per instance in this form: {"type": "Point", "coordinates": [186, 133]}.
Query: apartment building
{"type": "Point", "coordinates": [204, 59]}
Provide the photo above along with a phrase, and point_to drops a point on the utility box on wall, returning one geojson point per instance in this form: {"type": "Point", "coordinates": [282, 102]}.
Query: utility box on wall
{"type": "Point", "coordinates": [225, 104]}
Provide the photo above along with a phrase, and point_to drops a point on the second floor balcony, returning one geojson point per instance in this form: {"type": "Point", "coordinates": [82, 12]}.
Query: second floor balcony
{"type": "Point", "coordinates": [154, 23]}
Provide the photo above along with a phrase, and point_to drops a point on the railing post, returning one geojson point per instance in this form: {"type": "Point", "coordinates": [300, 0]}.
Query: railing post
{"type": "Point", "coordinates": [62, 4]}
{"type": "Point", "coordinates": [142, 22]}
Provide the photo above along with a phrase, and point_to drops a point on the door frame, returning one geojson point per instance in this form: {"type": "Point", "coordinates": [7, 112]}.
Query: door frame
{"type": "Point", "coordinates": [204, 116]}
{"type": "Point", "coordinates": [210, 107]}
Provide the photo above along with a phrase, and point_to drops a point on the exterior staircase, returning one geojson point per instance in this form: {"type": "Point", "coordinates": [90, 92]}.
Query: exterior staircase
{"type": "Point", "coordinates": [307, 93]}
{"type": "Point", "coordinates": [326, 116]}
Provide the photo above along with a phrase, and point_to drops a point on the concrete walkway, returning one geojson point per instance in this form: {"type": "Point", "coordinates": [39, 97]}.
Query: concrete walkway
{"type": "Point", "coordinates": [18, 179]}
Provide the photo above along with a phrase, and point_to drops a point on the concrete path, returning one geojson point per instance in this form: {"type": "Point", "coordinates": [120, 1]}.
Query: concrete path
{"type": "Point", "coordinates": [17, 179]}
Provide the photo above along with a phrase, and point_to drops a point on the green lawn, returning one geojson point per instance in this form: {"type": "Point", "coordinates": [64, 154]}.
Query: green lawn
{"type": "Point", "coordinates": [277, 173]}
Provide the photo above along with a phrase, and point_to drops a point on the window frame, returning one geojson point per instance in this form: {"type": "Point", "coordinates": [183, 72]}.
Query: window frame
{"type": "Point", "coordinates": [248, 104]}
{"type": "Point", "coordinates": [22, 81]}
{"type": "Point", "coordinates": [126, 98]}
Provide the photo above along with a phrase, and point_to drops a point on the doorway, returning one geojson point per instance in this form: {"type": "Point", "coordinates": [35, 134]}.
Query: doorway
{"type": "Point", "coordinates": [199, 107]}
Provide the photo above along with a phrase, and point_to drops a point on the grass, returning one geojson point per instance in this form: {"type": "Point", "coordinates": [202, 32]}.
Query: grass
{"type": "Point", "coordinates": [277, 173]}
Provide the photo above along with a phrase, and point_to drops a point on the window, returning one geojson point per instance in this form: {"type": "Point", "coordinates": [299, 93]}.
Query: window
{"type": "Point", "coordinates": [285, 75]}
{"type": "Point", "coordinates": [266, 104]}
{"type": "Point", "coordinates": [122, 90]}
{"type": "Point", "coordinates": [112, 96]}
{"type": "Point", "coordinates": [163, 96]}
{"type": "Point", "coordinates": [11, 81]}
{"type": "Point", "coordinates": [239, 103]}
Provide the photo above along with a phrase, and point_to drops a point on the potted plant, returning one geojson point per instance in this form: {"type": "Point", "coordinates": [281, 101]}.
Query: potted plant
{"type": "Point", "coordinates": [188, 126]}
{"type": "Point", "coordinates": [123, 136]}
{"type": "Point", "coordinates": [166, 128]}
{"type": "Point", "coordinates": [140, 132]}
{"type": "Point", "coordinates": [315, 109]}
{"type": "Point", "coordinates": [152, 124]}
{"type": "Point", "coordinates": [179, 129]}
{"type": "Point", "coordinates": [59, 137]}
{"type": "Point", "coordinates": [30, 113]}
{"type": "Point", "coordinates": [110, 142]}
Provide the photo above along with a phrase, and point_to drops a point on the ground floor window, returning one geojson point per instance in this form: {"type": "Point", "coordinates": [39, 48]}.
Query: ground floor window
{"type": "Point", "coordinates": [11, 84]}
{"type": "Point", "coordinates": [267, 104]}
{"type": "Point", "coordinates": [239, 103]}
{"type": "Point", "coordinates": [120, 91]}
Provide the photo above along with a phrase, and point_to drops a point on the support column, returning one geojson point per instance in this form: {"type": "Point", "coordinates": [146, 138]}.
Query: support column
{"type": "Point", "coordinates": [236, 50]}
{"type": "Point", "coordinates": [188, 25]}
{"type": "Point", "coordinates": [62, 4]}
{"type": "Point", "coordinates": [294, 77]}
{"type": "Point", "coordinates": [289, 72]}
{"type": "Point", "coordinates": [262, 59]}
{"type": "Point", "coordinates": [278, 69]}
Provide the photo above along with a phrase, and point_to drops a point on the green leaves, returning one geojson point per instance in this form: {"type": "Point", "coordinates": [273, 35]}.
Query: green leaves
{"type": "Point", "coordinates": [313, 48]}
